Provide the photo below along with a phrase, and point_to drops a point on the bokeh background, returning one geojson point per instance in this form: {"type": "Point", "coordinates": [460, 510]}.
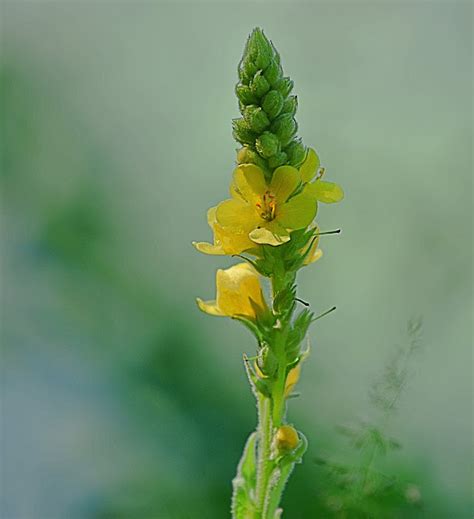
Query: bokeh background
{"type": "Point", "coordinates": [121, 400]}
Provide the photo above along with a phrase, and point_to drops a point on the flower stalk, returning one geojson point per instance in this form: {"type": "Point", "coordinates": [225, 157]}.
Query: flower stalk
{"type": "Point", "coordinates": [269, 222]}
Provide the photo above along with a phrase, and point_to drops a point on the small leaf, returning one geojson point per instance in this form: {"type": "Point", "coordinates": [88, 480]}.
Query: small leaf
{"type": "Point", "coordinates": [244, 482]}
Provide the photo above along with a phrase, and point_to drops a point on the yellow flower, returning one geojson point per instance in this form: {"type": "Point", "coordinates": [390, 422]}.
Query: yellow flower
{"type": "Point", "coordinates": [320, 190]}
{"type": "Point", "coordinates": [292, 379]}
{"type": "Point", "coordinates": [225, 242]}
{"type": "Point", "coordinates": [266, 213]}
{"type": "Point", "coordinates": [286, 438]}
{"type": "Point", "coordinates": [239, 293]}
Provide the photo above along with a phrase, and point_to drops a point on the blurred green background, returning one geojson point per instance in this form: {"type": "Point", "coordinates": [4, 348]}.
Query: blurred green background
{"type": "Point", "coordinates": [121, 400]}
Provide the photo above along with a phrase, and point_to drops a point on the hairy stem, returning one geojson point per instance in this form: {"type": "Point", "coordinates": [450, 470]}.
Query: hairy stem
{"type": "Point", "coordinates": [264, 466]}
{"type": "Point", "coordinates": [279, 389]}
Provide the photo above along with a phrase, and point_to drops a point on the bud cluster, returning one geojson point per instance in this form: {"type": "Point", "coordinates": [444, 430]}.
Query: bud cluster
{"type": "Point", "coordinates": [267, 128]}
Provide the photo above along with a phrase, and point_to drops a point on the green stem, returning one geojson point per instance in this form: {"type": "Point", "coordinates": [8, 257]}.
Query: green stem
{"type": "Point", "coordinates": [264, 466]}
{"type": "Point", "coordinates": [276, 491]}
{"type": "Point", "coordinates": [278, 396]}
{"type": "Point", "coordinates": [279, 283]}
{"type": "Point", "coordinates": [271, 413]}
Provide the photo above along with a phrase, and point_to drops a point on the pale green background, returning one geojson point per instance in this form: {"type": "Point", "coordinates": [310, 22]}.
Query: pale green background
{"type": "Point", "coordinates": [123, 110]}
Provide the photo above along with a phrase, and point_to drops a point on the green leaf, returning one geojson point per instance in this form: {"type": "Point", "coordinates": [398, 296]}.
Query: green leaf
{"type": "Point", "coordinates": [284, 301]}
{"type": "Point", "coordinates": [298, 333]}
{"type": "Point", "coordinates": [244, 482]}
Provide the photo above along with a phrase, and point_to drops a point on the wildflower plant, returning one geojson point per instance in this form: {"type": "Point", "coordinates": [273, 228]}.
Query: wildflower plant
{"type": "Point", "coordinates": [268, 221]}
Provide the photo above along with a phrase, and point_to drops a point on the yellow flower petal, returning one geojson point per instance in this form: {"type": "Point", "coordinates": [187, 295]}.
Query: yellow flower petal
{"type": "Point", "coordinates": [225, 241]}
{"type": "Point", "coordinates": [298, 212]}
{"type": "Point", "coordinates": [236, 288]}
{"type": "Point", "coordinates": [239, 293]}
{"type": "Point", "coordinates": [211, 216]}
{"type": "Point", "coordinates": [327, 192]}
{"type": "Point", "coordinates": [292, 379]}
{"type": "Point", "coordinates": [209, 307]}
{"type": "Point", "coordinates": [232, 242]}
{"type": "Point", "coordinates": [208, 248]}
{"type": "Point", "coordinates": [237, 215]}
{"type": "Point", "coordinates": [284, 181]}
{"type": "Point", "coordinates": [249, 182]}
{"type": "Point", "coordinates": [271, 233]}
{"type": "Point", "coordinates": [310, 166]}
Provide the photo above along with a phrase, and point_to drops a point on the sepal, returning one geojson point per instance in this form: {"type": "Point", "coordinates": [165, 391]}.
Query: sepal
{"type": "Point", "coordinates": [273, 103]}
{"type": "Point", "coordinates": [267, 145]}
{"type": "Point", "coordinates": [284, 127]}
{"type": "Point", "coordinates": [274, 72]}
{"type": "Point", "coordinates": [245, 95]}
{"type": "Point", "coordinates": [256, 118]}
{"type": "Point", "coordinates": [242, 132]}
{"type": "Point", "coordinates": [296, 153]}
{"type": "Point", "coordinates": [297, 334]}
{"type": "Point", "coordinates": [284, 86]}
{"type": "Point", "coordinates": [290, 105]}
{"type": "Point", "coordinates": [259, 86]}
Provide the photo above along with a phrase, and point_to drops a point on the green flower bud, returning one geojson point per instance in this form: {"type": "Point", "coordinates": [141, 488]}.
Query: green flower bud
{"type": "Point", "coordinates": [259, 49]}
{"type": "Point", "coordinates": [273, 103]}
{"type": "Point", "coordinates": [247, 69]}
{"type": "Point", "coordinates": [296, 152]}
{"type": "Point", "coordinates": [259, 85]}
{"type": "Point", "coordinates": [267, 145]}
{"type": "Point", "coordinates": [284, 86]}
{"type": "Point", "coordinates": [277, 160]}
{"type": "Point", "coordinates": [247, 156]}
{"type": "Point", "coordinates": [242, 132]}
{"type": "Point", "coordinates": [273, 72]}
{"type": "Point", "coordinates": [244, 94]}
{"type": "Point", "coordinates": [290, 105]}
{"type": "Point", "coordinates": [284, 127]}
{"type": "Point", "coordinates": [256, 118]}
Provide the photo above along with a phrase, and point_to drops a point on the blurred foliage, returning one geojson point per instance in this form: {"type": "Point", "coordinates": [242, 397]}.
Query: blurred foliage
{"type": "Point", "coordinates": [360, 490]}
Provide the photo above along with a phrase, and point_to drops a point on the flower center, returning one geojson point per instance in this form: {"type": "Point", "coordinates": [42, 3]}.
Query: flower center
{"type": "Point", "coordinates": [266, 207]}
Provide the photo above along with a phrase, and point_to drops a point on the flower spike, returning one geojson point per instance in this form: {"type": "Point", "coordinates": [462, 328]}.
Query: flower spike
{"type": "Point", "coordinates": [275, 192]}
